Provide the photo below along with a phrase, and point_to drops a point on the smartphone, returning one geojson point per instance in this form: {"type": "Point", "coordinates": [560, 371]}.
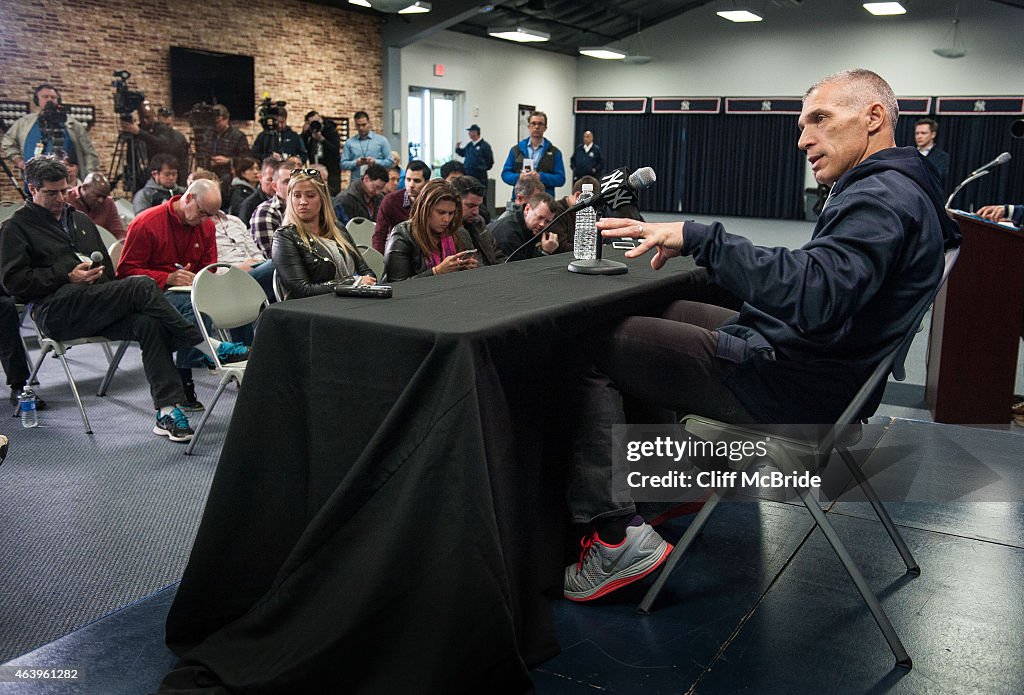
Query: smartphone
{"type": "Point", "coordinates": [527, 166]}
{"type": "Point", "coordinates": [466, 253]}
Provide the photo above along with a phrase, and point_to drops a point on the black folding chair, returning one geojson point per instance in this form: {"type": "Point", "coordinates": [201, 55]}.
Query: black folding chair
{"type": "Point", "coordinates": [794, 455]}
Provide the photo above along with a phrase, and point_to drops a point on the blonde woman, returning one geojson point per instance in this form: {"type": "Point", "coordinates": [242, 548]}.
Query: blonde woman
{"type": "Point", "coordinates": [312, 253]}
{"type": "Point", "coordinates": [432, 241]}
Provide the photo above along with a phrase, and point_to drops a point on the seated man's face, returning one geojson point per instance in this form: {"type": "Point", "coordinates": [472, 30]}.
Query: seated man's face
{"type": "Point", "coordinates": [537, 218]}
{"type": "Point", "coordinates": [166, 177]}
{"type": "Point", "coordinates": [72, 171]}
{"type": "Point", "coordinates": [392, 184]}
{"type": "Point", "coordinates": [267, 181]}
{"type": "Point", "coordinates": [414, 182]}
{"type": "Point", "coordinates": [471, 203]}
{"type": "Point", "coordinates": [94, 196]}
{"type": "Point", "coordinates": [373, 187]}
{"type": "Point", "coordinates": [195, 210]}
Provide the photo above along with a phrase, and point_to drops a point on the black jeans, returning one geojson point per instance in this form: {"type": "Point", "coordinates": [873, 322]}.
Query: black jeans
{"type": "Point", "coordinates": [12, 350]}
{"type": "Point", "coordinates": [129, 309]}
{"type": "Point", "coordinates": [666, 365]}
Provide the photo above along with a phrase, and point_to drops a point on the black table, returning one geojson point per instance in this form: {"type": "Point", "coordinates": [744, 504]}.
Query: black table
{"type": "Point", "coordinates": [388, 512]}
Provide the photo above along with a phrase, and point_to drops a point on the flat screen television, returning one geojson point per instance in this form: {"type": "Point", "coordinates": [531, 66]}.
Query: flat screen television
{"type": "Point", "coordinates": [213, 77]}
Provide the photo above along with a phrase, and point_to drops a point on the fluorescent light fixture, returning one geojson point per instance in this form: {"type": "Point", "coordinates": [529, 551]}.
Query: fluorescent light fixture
{"type": "Point", "coordinates": [739, 16]}
{"type": "Point", "coordinates": [884, 8]}
{"type": "Point", "coordinates": [416, 8]}
{"type": "Point", "coordinates": [603, 52]}
{"type": "Point", "coordinates": [361, 3]}
{"type": "Point", "coordinates": [519, 34]}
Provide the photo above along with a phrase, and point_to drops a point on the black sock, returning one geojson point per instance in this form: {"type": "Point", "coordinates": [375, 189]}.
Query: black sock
{"type": "Point", "coordinates": [612, 529]}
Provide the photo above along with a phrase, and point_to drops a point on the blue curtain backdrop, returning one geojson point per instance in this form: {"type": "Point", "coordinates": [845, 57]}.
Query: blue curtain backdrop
{"type": "Point", "coordinates": [971, 142]}
{"type": "Point", "coordinates": [709, 164]}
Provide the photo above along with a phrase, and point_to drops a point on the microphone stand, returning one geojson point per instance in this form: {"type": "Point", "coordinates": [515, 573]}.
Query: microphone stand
{"type": "Point", "coordinates": [972, 177]}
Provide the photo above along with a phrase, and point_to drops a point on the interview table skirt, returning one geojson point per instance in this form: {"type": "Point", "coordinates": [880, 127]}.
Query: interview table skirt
{"type": "Point", "coordinates": [387, 514]}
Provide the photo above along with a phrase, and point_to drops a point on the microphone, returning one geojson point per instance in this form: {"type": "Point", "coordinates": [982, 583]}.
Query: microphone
{"type": "Point", "coordinates": [97, 258]}
{"type": "Point", "coordinates": [618, 189]}
{"type": "Point", "coordinates": [978, 173]}
{"type": "Point", "coordinates": [1001, 159]}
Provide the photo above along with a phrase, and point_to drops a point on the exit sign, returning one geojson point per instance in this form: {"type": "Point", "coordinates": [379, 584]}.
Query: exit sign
{"type": "Point", "coordinates": [438, 69]}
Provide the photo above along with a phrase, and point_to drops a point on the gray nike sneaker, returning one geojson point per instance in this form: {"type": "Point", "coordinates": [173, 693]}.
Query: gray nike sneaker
{"type": "Point", "coordinates": [604, 568]}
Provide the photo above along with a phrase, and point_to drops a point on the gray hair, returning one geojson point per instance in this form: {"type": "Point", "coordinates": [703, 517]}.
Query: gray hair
{"type": "Point", "coordinates": [863, 88]}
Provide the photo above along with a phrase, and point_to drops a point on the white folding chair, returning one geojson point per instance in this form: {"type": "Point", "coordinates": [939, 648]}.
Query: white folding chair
{"type": "Point", "coordinates": [7, 209]}
{"type": "Point", "coordinates": [374, 259]}
{"type": "Point", "coordinates": [105, 236]}
{"type": "Point", "coordinates": [124, 210]}
{"type": "Point", "coordinates": [361, 230]}
{"type": "Point", "coordinates": [797, 454]}
{"type": "Point", "coordinates": [114, 251]}
{"type": "Point", "coordinates": [229, 300]}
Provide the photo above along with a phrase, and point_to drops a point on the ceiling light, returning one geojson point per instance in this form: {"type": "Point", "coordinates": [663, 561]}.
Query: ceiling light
{"type": "Point", "coordinates": [884, 8]}
{"type": "Point", "coordinates": [519, 34]}
{"type": "Point", "coordinates": [603, 52]}
{"type": "Point", "coordinates": [416, 8]}
{"type": "Point", "coordinates": [361, 3]}
{"type": "Point", "coordinates": [739, 16]}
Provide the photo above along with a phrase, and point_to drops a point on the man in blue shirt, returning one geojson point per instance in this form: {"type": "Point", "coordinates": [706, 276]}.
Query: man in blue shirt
{"type": "Point", "coordinates": [544, 159]}
{"type": "Point", "coordinates": [367, 147]}
{"type": "Point", "coordinates": [476, 155]}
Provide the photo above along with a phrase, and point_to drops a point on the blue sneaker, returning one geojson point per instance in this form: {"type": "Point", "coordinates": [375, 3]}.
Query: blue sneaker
{"type": "Point", "coordinates": [229, 353]}
{"type": "Point", "coordinates": [174, 426]}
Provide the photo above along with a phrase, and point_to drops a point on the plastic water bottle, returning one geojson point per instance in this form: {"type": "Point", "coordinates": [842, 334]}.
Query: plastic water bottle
{"type": "Point", "coordinates": [27, 406]}
{"type": "Point", "coordinates": [584, 245]}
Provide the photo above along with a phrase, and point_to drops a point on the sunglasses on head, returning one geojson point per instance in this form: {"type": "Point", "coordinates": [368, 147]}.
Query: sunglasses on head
{"type": "Point", "coordinates": [307, 172]}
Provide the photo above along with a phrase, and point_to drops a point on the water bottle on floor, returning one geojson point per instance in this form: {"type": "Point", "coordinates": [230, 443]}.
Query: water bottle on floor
{"type": "Point", "coordinates": [584, 244]}
{"type": "Point", "coordinates": [27, 407]}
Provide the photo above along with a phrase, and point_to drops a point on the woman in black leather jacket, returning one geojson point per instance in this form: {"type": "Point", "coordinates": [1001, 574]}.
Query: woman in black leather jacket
{"type": "Point", "coordinates": [432, 241]}
{"type": "Point", "coordinates": [312, 253]}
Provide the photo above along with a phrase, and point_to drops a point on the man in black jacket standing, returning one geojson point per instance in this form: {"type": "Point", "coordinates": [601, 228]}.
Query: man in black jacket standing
{"type": "Point", "coordinates": [45, 249]}
{"type": "Point", "coordinates": [323, 146]}
{"type": "Point", "coordinates": [814, 322]}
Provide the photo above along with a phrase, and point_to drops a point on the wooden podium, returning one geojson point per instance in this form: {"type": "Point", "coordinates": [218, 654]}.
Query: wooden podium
{"type": "Point", "coordinates": [976, 327]}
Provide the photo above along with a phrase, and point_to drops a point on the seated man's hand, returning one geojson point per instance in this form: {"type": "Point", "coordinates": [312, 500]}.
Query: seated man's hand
{"type": "Point", "coordinates": [666, 237]}
{"type": "Point", "coordinates": [996, 213]}
{"type": "Point", "coordinates": [549, 242]}
{"type": "Point", "coordinates": [248, 264]}
{"type": "Point", "coordinates": [85, 274]}
{"type": "Point", "coordinates": [180, 277]}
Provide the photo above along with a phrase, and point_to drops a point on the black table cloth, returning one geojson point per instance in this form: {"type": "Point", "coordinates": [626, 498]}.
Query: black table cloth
{"type": "Point", "coordinates": [387, 513]}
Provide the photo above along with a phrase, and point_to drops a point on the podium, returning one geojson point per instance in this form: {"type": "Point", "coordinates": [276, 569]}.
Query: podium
{"type": "Point", "coordinates": [976, 327]}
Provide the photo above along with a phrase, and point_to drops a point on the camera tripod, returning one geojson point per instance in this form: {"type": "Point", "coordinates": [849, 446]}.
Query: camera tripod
{"type": "Point", "coordinates": [127, 163]}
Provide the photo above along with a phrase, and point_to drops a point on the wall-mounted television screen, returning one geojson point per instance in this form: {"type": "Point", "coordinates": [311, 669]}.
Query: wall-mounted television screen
{"type": "Point", "coordinates": [216, 78]}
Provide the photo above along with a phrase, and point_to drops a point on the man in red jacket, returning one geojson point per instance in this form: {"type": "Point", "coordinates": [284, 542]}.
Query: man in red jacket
{"type": "Point", "coordinates": [171, 243]}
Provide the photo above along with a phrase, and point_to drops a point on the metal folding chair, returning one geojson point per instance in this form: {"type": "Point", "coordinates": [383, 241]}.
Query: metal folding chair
{"type": "Point", "coordinates": [361, 230]}
{"type": "Point", "coordinates": [796, 454]}
{"type": "Point", "coordinates": [229, 300]}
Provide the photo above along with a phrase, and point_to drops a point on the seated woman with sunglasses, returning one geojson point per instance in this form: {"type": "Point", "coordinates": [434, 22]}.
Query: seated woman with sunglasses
{"type": "Point", "coordinates": [432, 241]}
{"type": "Point", "coordinates": [312, 253]}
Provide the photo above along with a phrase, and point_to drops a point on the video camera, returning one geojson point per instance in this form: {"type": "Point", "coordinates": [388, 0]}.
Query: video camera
{"type": "Point", "coordinates": [125, 100]}
{"type": "Point", "coordinates": [269, 111]}
{"type": "Point", "coordinates": [51, 123]}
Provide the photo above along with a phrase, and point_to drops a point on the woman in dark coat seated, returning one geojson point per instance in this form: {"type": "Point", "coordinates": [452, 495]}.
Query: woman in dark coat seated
{"type": "Point", "coordinates": [312, 253]}
{"type": "Point", "coordinates": [432, 241]}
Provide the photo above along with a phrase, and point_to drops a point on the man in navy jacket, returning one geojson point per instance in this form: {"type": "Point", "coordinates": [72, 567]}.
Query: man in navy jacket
{"type": "Point", "coordinates": [814, 321]}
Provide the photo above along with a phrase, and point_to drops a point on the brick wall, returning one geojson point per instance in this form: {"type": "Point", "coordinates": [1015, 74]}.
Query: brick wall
{"type": "Point", "coordinates": [307, 55]}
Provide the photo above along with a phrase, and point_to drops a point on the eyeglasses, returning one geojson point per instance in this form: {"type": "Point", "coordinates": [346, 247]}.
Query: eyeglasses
{"type": "Point", "coordinates": [308, 172]}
